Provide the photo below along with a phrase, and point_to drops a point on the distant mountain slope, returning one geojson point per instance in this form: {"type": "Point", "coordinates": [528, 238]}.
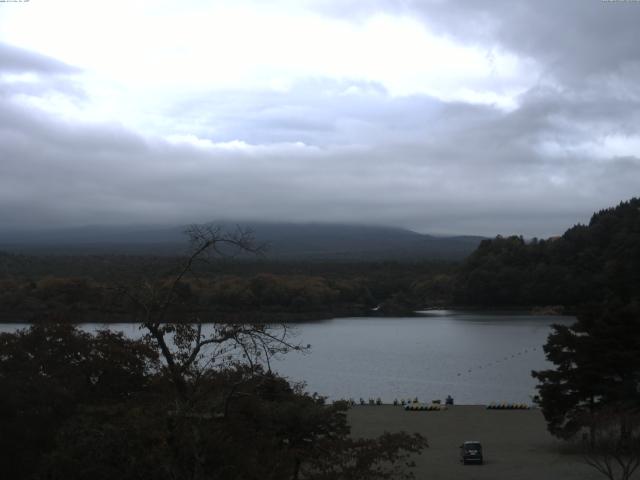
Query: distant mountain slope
{"type": "Point", "coordinates": [284, 240]}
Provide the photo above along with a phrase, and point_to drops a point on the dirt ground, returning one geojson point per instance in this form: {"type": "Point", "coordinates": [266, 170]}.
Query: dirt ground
{"type": "Point", "coordinates": [516, 444]}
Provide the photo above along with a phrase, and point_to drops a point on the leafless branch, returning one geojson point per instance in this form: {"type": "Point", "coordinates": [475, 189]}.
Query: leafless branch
{"type": "Point", "coordinates": [615, 449]}
{"type": "Point", "coordinates": [182, 344]}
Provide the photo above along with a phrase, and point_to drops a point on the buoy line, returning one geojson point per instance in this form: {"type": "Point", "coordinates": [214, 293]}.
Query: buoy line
{"type": "Point", "coordinates": [508, 406]}
{"type": "Point", "coordinates": [500, 360]}
{"type": "Point", "coordinates": [422, 407]}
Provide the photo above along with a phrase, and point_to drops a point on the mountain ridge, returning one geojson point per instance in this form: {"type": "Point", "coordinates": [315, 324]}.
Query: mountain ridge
{"type": "Point", "coordinates": [284, 240]}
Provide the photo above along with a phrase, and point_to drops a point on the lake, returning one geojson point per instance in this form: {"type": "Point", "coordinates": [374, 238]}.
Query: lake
{"type": "Point", "coordinates": [477, 358]}
{"type": "Point", "coordinates": [474, 357]}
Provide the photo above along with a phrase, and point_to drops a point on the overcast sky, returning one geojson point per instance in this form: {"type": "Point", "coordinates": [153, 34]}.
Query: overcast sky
{"type": "Point", "coordinates": [477, 117]}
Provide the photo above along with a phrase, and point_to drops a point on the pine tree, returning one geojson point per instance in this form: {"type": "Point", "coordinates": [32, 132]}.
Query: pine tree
{"type": "Point", "coordinates": [597, 366]}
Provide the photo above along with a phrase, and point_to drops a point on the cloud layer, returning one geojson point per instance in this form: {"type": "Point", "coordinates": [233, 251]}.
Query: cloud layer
{"type": "Point", "coordinates": [532, 139]}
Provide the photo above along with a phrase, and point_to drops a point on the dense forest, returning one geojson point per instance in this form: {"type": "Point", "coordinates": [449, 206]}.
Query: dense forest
{"type": "Point", "coordinates": [589, 263]}
{"type": "Point", "coordinates": [593, 390]}
{"type": "Point", "coordinates": [89, 287]}
{"type": "Point", "coordinates": [301, 272]}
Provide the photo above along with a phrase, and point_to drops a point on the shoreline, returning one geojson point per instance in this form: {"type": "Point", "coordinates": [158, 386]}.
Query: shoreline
{"type": "Point", "coordinates": [79, 318]}
{"type": "Point", "coordinates": [542, 310]}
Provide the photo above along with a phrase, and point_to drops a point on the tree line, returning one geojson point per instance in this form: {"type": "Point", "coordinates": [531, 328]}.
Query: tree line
{"type": "Point", "coordinates": [592, 395]}
{"type": "Point", "coordinates": [594, 262]}
{"type": "Point", "coordinates": [85, 289]}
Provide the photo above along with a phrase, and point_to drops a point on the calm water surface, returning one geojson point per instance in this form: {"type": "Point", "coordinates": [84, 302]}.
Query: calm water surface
{"type": "Point", "coordinates": [475, 357]}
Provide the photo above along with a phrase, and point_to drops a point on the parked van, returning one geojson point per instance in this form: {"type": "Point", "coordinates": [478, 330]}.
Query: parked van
{"type": "Point", "coordinates": [471, 452]}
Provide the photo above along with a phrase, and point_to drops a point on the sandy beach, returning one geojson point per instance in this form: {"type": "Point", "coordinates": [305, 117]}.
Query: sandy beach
{"type": "Point", "coordinates": [516, 443]}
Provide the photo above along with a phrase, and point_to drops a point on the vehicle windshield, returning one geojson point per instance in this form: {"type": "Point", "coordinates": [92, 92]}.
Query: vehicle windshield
{"type": "Point", "coordinates": [472, 446]}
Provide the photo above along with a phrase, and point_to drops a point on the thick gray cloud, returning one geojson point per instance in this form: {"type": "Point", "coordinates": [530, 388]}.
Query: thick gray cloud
{"type": "Point", "coordinates": [471, 171]}
{"type": "Point", "coordinates": [346, 150]}
{"type": "Point", "coordinates": [571, 38]}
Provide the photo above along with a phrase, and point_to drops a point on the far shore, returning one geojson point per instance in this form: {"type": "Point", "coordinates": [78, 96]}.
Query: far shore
{"type": "Point", "coordinates": [542, 310]}
{"type": "Point", "coordinates": [516, 443]}
{"type": "Point", "coordinates": [240, 316]}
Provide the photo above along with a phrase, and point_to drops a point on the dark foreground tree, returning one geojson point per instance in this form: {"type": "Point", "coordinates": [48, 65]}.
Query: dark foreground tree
{"type": "Point", "coordinates": [615, 449]}
{"type": "Point", "coordinates": [594, 391]}
{"type": "Point", "coordinates": [269, 431]}
{"type": "Point", "coordinates": [50, 372]}
{"type": "Point", "coordinates": [597, 364]}
{"type": "Point", "coordinates": [210, 408]}
{"type": "Point", "coordinates": [77, 406]}
{"type": "Point", "coordinates": [568, 394]}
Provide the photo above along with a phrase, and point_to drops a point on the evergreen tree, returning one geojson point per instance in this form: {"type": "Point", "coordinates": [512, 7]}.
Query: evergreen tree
{"type": "Point", "coordinates": [596, 262]}
{"type": "Point", "coordinates": [597, 366]}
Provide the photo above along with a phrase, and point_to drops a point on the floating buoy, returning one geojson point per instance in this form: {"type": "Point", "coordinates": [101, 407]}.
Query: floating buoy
{"type": "Point", "coordinates": [508, 406]}
{"type": "Point", "coordinates": [421, 407]}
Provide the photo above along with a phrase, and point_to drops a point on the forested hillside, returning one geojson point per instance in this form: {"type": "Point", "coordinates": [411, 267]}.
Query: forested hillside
{"type": "Point", "coordinates": [589, 263]}
{"type": "Point", "coordinates": [88, 288]}
{"type": "Point", "coordinates": [597, 262]}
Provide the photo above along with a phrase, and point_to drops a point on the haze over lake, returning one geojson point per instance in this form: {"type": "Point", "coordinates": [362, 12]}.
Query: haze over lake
{"type": "Point", "coordinates": [478, 358]}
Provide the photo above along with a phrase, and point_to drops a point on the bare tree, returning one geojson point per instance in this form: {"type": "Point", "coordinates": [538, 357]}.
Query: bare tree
{"type": "Point", "coordinates": [191, 352]}
{"type": "Point", "coordinates": [185, 347]}
{"type": "Point", "coordinates": [613, 448]}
